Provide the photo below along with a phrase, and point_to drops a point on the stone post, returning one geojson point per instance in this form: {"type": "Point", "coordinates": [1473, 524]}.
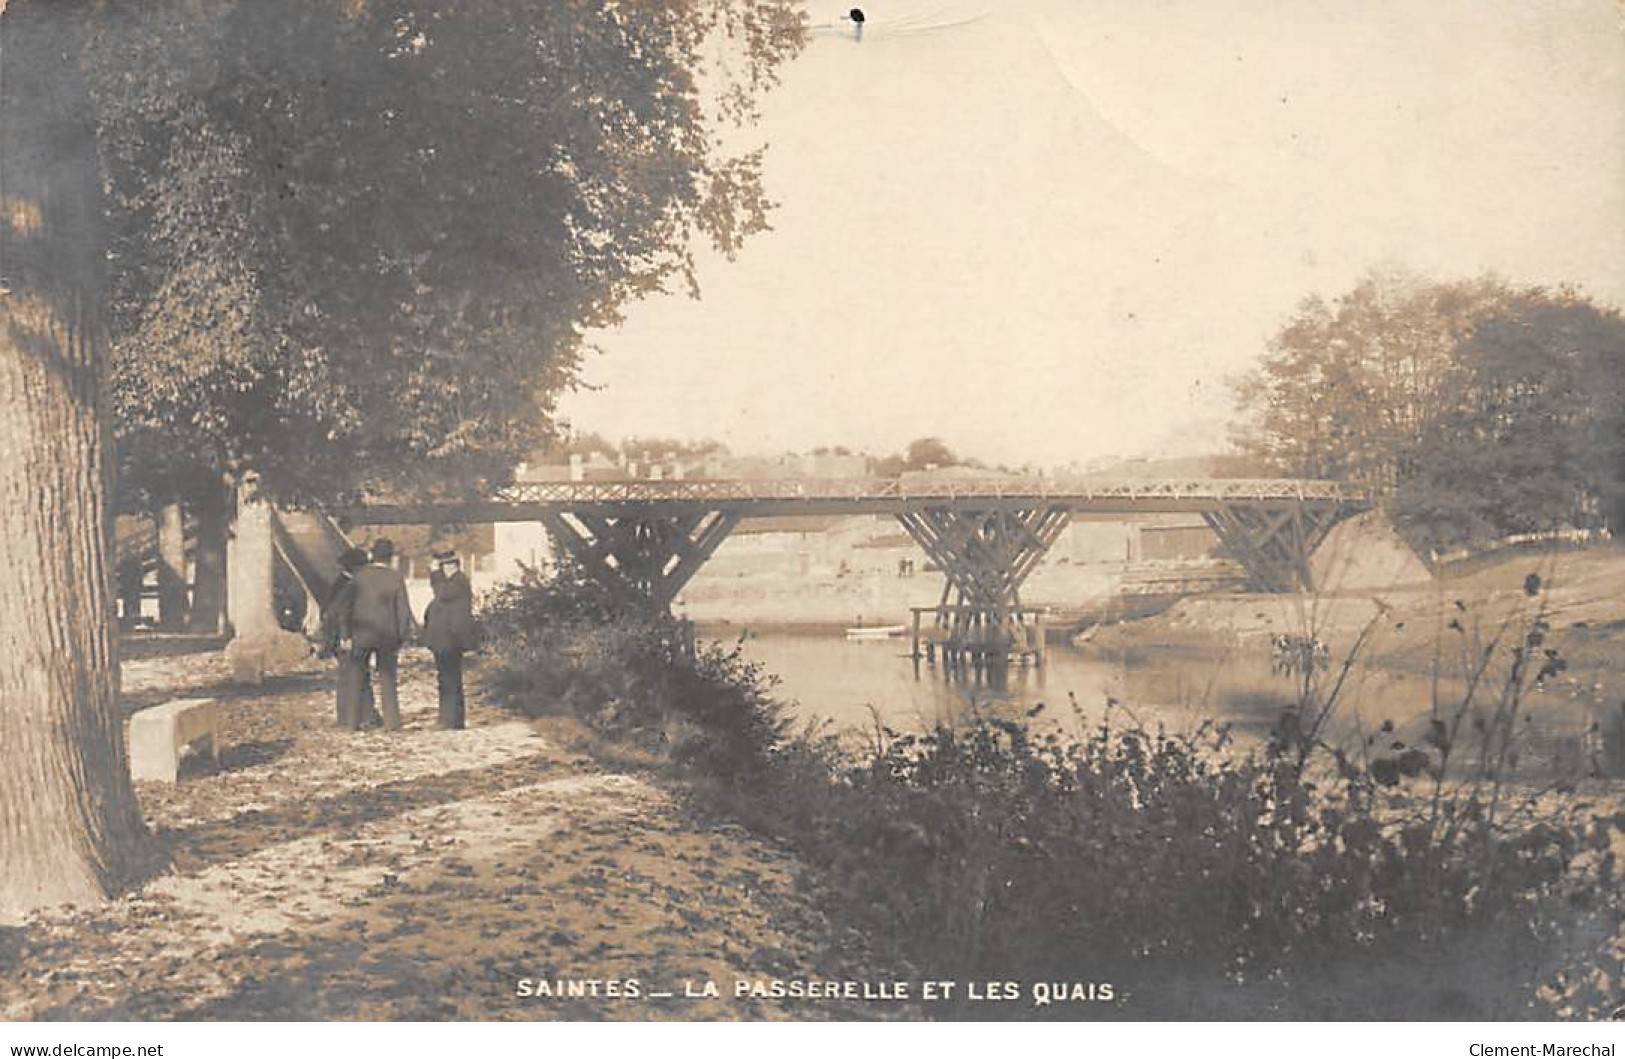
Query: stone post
{"type": "Point", "coordinates": [258, 643]}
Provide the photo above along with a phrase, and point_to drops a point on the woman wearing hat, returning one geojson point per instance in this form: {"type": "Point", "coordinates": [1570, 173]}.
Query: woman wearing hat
{"type": "Point", "coordinates": [449, 631]}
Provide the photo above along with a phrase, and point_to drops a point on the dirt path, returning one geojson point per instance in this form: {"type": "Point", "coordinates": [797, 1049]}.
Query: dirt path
{"type": "Point", "coordinates": [321, 874]}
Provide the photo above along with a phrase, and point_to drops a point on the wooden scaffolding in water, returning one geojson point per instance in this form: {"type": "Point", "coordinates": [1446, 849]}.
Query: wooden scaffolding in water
{"type": "Point", "coordinates": [985, 556]}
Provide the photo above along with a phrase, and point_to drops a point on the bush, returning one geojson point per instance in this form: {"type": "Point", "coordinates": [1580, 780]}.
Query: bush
{"type": "Point", "coordinates": [1200, 883]}
{"type": "Point", "coordinates": [564, 644]}
{"type": "Point", "coordinates": [1302, 880]}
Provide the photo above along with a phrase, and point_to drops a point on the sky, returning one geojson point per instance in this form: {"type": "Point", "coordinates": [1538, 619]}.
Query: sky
{"type": "Point", "coordinates": [1051, 230]}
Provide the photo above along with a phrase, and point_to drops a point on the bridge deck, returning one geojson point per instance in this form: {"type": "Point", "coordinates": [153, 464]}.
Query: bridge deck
{"type": "Point", "coordinates": [530, 501]}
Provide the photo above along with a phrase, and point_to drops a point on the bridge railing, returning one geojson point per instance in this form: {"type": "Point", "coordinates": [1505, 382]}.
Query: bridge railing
{"type": "Point", "coordinates": [701, 489]}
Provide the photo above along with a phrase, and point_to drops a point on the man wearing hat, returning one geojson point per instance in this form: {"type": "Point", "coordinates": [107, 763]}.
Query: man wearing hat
{"type": "Point", "coordinates": [355, 708]}
{"type": "Point", "coordinates": [449, 630]}
{"type": "Point", "coordinates": [380, 621]}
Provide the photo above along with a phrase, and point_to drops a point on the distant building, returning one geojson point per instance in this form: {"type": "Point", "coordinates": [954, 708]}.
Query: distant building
{"type": "Point", "coordinates": [747, 468]}
{"type": "Point", "coordinates": [1172, 537]}
{"type": "Point", "coordinates": [833, 465]}
{"type": "Point", "coordinates": [591, 467]}
{"type": "Point", "coordinates": [945, 475]}
{"type": "Point", "coordinates": [799, 545]}
{"type": "Point", "coordinates": [1176, 537]}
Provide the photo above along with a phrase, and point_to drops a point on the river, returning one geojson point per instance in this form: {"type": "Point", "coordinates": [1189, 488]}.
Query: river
{"type": "Point", "coordinates": [852, 682]}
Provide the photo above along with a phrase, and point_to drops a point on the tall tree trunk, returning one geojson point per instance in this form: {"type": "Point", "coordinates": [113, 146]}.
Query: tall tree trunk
{"type": "Point", "coordinates": [70, 828]}
{"type": "Point", "coordinates": [171, 567]}
{"type": "Point", "coordinates": [213, 516]}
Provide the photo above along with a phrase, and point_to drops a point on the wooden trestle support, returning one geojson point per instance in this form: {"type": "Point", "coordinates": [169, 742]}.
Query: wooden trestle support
{"type": "Point", "coordinates": [985, 555]}
{"type": "Point", "coordinates": [644, 559]}
{"type": "Point", "coordinates": [1273, 541]}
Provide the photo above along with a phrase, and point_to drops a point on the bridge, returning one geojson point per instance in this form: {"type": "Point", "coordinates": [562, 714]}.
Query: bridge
{"type": "Point", "coordinates": [646, 539]}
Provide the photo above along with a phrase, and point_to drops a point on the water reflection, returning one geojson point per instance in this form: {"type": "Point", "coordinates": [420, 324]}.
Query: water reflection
{"type": "Point", "coordinates": [849, 682]}
{"type": "Point", "coordinates": [852, 682]}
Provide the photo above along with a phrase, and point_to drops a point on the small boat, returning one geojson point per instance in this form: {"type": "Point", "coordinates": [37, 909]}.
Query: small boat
{"type": "Point", "coordinates": [874, 632]}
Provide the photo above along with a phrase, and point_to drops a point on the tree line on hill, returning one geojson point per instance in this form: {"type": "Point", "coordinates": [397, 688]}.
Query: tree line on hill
{"type": "Point", "coordinates": [1474, 409]}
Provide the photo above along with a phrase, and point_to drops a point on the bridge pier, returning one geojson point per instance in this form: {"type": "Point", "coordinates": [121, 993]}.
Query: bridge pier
{"type": "Point", "coordinates": [641, 557]}
{"type": "Point", "coordinates": [985, 554]}
{"type": "Point", "coordinates": [1273, 541]}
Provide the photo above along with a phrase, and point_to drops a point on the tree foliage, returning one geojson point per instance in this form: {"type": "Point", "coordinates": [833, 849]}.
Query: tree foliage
{"type": "Point", "coordinates": [920, 454]}
{"type": "Point", "coordinates": [1347, 387]}
{"type": "Point", "coordinates": [1477, 409]}
{"type": "Point", "coordinates": [360, 242]}
{"type": "Point", "coordinates": [1530, 434]}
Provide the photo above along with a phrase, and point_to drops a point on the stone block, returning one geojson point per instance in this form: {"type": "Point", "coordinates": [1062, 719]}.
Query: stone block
{"type": "Point", "coordinates": [160, 734]}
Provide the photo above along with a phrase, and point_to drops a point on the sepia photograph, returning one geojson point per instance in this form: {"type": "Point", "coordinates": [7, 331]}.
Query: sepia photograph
{"type": "Point", "coordinates": [745, 511]}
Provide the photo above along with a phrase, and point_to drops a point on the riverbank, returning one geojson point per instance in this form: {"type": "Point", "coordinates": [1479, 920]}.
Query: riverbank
{"type": "Point", "coordinates": [1580, 595]}
{"type": "Point", "coordinates": [1411, 646]}
{"type": "Point", "coordinates": [320, 874]}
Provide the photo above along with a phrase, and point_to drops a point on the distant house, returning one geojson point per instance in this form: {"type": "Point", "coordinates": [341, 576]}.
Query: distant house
{"type": "Point", "coordinates": [833, 465]}
{"type": "Point", "coordinates": [599, 467]}
{"type": "Point", "coordinates": [542, 472]}
{"type": "Point", "coordinates": [793, 544]}
{"type": "Point", "coordinates": [1146, 538]}
{"type": "Point", "coordinates": [932, 476]}
{"type": "Point", "coordinates": [1176, 537]}
{"type": "Point", "coordinates": [746, 468]}
{"type": "Point", "coordinates": [788, 534]}
{"type": "Point", "coordinates": [1094, 541]}
{"type": "Point", "coordinates": [591, 467]}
